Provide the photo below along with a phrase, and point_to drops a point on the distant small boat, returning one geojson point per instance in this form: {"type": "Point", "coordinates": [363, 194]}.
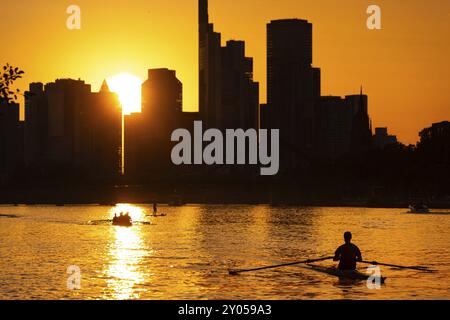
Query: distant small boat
{"type": "Point", "coordinates": [157, 215]}
{"type": "Point", "coordinates": [122, 223]}
{"type": "Point", "coordinates": [10, 216]}
{"type": "Point", "coordinates": [343, 274]}
{"type": "Point", "coordinates": [419, 208]}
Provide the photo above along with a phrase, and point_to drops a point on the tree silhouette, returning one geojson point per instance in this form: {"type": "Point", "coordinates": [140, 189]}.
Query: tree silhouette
{"type": "Point", "coordinates": [7, 78]}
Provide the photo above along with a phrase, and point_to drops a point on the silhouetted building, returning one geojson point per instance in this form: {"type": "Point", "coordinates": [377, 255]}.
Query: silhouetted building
{"type": "Point", "coordinates": [435, 143]}
{"type": "Point", "coordinates": [240, 95]}
{"type": "Point", "coordinates": [342, 126]}
{"type": "Point", "coordinates": [209, 68]}
{"type": "Point", "coordinates": [106, 133]}
{"type": "Point", "coordinates": [293, 88]}
{"type": "Point", "coordinates": [162, 95]}
{"type": "Point", "coordinates": [334, 127]}
{"type": "Point", "coordinates": [36, 126]}
{"type": "Point", "coordinates": [11, 141]}
{"type": "Point", "coordinates": [148, 134]}
{"type": "Point", "coordinates": [67, 101]}
{"type": "Point", "coordinates": [361, 139]}
{"type": "Point", "coordinates": [381, 139]}
{"type": "Point", "coordinates": [228, 96]}
{"type": "Point", "coordinates": [71, 131]}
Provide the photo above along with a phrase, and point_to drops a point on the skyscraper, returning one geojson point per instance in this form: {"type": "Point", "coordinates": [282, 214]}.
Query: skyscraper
{"type": "Point", "coordinates": [106, 130]}
{"type": "Point", "coordinates": [342, 126]}
{"type": "Point", "coordinates": [333, 127]}
{"type": "Point", "coordinates": [148, 134]}
{"type": "Point", "coordinates": [240, 94]}
{"type": "Point", "coordinates": [209, 68]}
{"type": "Point", "coordinates": [11, 141]}
{"type": "Point", "coordinates": [293, 87]}
{"type": "Point", "coordinates": [228, 96]}
{"type": "Point", "coordinates": [68, 108]}
{"type": "Point", "coordinates": [361, 136]}
{"type": "Point", "coordinates": [162, 95]}
{"type": "Point", "coordinates": [71, 130]}
{"type": "Point", "coordinates": [36, 125]}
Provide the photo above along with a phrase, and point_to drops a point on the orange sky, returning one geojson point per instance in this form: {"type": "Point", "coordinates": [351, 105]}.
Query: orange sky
{"type": "Point", "coordinates": [404, 68]}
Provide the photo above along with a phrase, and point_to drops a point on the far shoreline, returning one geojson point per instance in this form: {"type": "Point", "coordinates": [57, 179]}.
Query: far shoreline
{"type": "Point", "coordinates": [165, 204]}
{"type": "Point", "coordinates": [214, 194]}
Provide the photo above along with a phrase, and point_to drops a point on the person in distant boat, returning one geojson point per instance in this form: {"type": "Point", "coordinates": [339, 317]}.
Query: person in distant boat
{"type": "Point", "coordinates": [155, 208]}
{"type": "Point", "coordinates": [115, 219]}
{"type": "Point", "coordinates": [347, 254]}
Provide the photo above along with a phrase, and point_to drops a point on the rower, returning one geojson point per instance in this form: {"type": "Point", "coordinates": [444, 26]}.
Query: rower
{"type": "Point", "coordinates": [347, 254]}
{"type": "Point", "coordinates": [155, 208]}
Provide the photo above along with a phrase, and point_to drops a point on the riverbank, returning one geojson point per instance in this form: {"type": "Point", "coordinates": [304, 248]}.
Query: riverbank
{"type": "Point", "coordinates": [224, 194]}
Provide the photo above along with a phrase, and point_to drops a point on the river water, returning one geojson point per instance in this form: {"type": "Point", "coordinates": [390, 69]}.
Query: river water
{"type": "Point", "coordinates": [187, 254]}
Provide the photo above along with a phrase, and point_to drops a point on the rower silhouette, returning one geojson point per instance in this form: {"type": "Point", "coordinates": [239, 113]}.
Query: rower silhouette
{"type": "Point", "coordinates": [122, 219]}
{"type": "Point", "coordinates": [347, 254]}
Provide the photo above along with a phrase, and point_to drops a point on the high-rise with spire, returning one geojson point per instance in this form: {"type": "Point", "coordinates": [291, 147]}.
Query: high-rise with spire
{"type": "Point", "coordinates": [104, 87]}
{"type": "Point", "coordinates": [361, 135]}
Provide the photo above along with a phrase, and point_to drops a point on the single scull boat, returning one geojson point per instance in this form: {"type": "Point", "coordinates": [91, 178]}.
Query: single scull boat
{"type": "Point", "coordinates": [343, 274]}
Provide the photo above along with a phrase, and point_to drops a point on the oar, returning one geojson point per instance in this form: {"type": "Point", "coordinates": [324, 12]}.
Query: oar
{"type": "Point", "coordinates": [236, 272]}
{"type": "Point", "coordinates": [396, 266]}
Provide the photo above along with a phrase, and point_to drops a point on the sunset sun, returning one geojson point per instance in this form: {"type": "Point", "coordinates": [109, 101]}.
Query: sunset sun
{"type": "Point", "coordinates": [128, 87]}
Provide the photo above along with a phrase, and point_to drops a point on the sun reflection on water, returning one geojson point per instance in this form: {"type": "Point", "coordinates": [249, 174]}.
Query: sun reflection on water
{"type": "Point", "coordinates": [124, 272]}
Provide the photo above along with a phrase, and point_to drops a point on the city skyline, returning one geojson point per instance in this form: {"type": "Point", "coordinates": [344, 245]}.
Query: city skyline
{"type": "Point", "coordinates": [204, 150]}
{"type": "Point", "coordinates": [69, 125]}
{"type": "Point", "coordinates": [392, 74]}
